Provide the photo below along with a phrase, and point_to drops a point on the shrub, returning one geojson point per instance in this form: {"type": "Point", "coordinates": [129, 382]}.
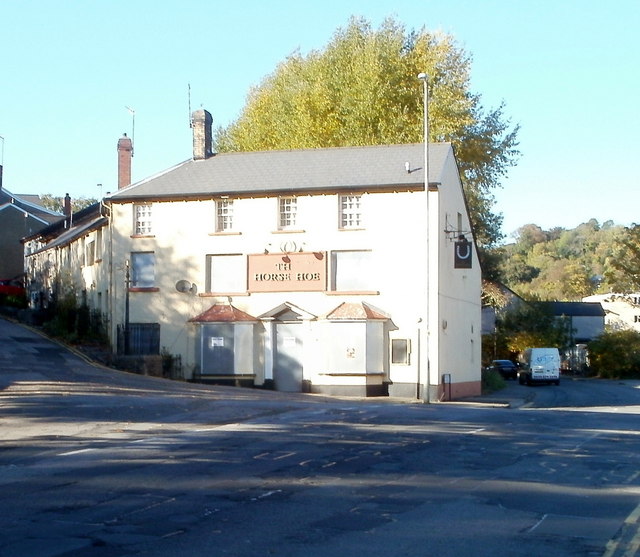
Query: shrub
{"type": "Point", "coordinates": [62, 324]}
{"type": "Point", "coordinates": [13, 301]}
{"type": "Point", "coordinates": [616, 354]}
{"type": "Point", "coordinates": [492, 381]}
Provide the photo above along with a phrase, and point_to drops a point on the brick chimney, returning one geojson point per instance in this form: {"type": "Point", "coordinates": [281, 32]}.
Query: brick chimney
{"type": "Point", "coordinates": [125, 152]}
{"type": "Point", "coordinates": [201, 122]}
{"type": "Point", "coordinates": [67, 205]}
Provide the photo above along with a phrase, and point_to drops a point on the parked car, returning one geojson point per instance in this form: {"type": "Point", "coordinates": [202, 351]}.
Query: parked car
{"type": "Point", "coordinates": [506, 368]}
{"type": "Point", "coordinates": [11, 287]}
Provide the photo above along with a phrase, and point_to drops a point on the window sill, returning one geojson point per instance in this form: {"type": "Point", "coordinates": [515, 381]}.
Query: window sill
{"type": "Point", "coordinates": [288, 231]}
{"type": "Point", "coordinates": [219, 294]}
{"type": "Point", "coordinates": [351, 374]}
{"type": "Point", "coordinates": [351, 229]}
{"type": "Point", "coordinates": [352, 292]}
{"type": "Point", "coordinates": [144, 289]}
{"type": "Point", "coordinates": [225, 233]}
{"type": "Point", "coordinates": [142, 236]}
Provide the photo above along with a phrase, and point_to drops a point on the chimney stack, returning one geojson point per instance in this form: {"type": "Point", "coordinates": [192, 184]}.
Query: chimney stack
{"type": "Point", "coordinates": [125, 152]}
{"type": "Point", "coordinates": [201, 122]}
{"type": "Point", "coordinates": [67, 205]}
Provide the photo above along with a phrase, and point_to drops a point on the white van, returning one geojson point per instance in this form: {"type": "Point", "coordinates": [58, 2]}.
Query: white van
{"type": "Point", "coordinates": [539, 365]}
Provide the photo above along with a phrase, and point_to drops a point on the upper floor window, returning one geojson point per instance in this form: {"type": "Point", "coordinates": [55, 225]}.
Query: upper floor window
{"type": "Point", "coordinates": [142, 219]}
{"type": "Point", "coordinates": [288, 211]}
{"type": "Point", "coordinates": [80, 251]}
{"type": "Point", "coordinates": [224, 215]}
{"type": "Point", "coordinates": [98, 246]}
{"type": "Point", "coordinates": [90, 252]}
{"type": "Point", "coordinates": [350, 211]}
{"type": "Point", "coordinates": [143, 269]}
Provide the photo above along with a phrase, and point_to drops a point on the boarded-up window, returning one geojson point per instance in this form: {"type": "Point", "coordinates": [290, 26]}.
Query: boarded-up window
{"type": "Point", "coordinates": [351, 271]}
{"type": "Point", "coordinates": [226, 273]}
{"type": "Point", "coordinates": [400, 348]}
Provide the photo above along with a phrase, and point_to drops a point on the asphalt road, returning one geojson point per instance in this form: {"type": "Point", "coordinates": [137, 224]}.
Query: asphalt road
{"type": "Point", "coordinates": [95, 462]}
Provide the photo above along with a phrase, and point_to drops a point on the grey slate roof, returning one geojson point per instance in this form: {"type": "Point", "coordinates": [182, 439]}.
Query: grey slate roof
{"type": "Point", "coordinates": [576, 309]}
{"type": "Point", "coordinates": [30, 204]}
{"type": "Point", "coordinates": [59, 228]}
{"type": "Point", "coordinates": [261, 172]}
{"type": "Point", "coordinates": [71, 234]}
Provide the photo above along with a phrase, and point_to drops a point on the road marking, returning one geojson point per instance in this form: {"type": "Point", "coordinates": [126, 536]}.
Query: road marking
{"type": "Point", "coordinates": [632, 477]}
{"type": "Point", "coordinates": [266, 494]}
{"type": "Point", "coordinates": [634, 544]}
{"type": "Point", "coordinates": [633, 547]}
{"type": "Point", "coordinates": [611, 548]}
{"type": "Point", "coordinates": [538, 523]}
{"type": "Point", "coordinates": [77, 452]}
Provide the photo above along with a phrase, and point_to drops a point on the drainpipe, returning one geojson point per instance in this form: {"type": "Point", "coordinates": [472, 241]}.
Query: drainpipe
{"type": "Point", "coordinates": [127, 282]}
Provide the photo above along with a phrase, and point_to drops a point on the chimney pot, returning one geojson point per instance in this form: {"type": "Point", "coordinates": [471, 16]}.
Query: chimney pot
{"type": "Point", "coordinates": [202, 145]}
{"type": "Point", "coordinates": [67, 205]}
{"type": "Point", "coordinates": [125, 152]}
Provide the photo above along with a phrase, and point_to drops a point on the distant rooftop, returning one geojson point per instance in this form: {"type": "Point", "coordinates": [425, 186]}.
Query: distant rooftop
{"type": "Point", "coordinates": [29, 203]}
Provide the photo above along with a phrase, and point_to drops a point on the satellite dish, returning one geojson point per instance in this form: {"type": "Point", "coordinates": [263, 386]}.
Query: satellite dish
{"type": "Point", "coordinates": [183, 286]}
{"type": "Point", "coordinates": [194, 288]}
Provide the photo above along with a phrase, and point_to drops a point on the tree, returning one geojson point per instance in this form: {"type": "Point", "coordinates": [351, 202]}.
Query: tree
{"type": "Point", "coordinates": [529, 235]}
{"type": "Point", "coordinates": [515, 269]}
{"type": "Point", "coordinates": [570, 264]}
{"type": "Point", "coordinates": [623, 270]}
{"type": "Point", "coordinates": [616, 354]}
{"type": "Point", "coordinates": [362, 89]}
{"type": "Point", "coordinates": [55, 203]}
{"type": "Point", "coordinates": [531, 324]}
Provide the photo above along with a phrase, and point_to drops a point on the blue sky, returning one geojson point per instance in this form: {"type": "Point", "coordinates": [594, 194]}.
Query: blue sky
{"type": "Point", "coordinates": [568, 72]}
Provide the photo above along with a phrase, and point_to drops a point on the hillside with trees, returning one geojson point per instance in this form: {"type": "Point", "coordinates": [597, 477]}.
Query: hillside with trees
{"type": "Point", "coordinates": [561, 264]}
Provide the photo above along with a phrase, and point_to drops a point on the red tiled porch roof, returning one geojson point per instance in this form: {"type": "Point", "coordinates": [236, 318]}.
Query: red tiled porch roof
{"type": "Point", "coordinates": [221, 313]}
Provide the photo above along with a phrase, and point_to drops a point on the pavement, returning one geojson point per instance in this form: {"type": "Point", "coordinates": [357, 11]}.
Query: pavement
{"type": "Point", "coordinates": [27, 354]}
{"type": "Point", "coordinates": [509, 397]}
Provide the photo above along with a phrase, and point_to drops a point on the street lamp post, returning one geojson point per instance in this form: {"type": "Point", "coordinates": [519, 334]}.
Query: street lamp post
{"type": "Point", "coordinates": [432, 260]}
{"type": "Point", "coordinates": [425, 81]}
{"type": "Point", "coordinates": [425, 119]}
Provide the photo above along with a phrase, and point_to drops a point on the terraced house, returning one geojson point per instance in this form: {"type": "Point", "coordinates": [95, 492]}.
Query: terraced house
{"type": "Point", "coordinates": [326, 270]}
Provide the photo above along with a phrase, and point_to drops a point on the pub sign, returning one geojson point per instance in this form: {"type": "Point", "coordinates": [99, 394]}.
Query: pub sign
{"type": "Point", "coordinates": [463, 253]}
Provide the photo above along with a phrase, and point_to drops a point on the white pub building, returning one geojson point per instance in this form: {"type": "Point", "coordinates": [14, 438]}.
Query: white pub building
{"type": "Point", "coordinates": [323, 270]}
